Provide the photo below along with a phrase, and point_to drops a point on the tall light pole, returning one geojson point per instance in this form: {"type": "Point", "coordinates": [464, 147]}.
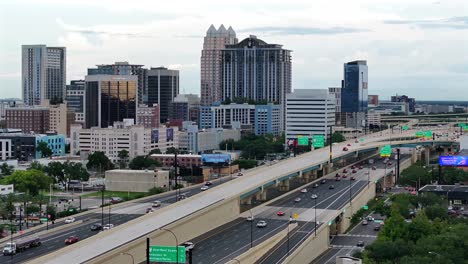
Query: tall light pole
{"type": "Point", "coordinates": [177, 242]}
{"type": "Point", "coordinates": [128, 254]}
{"type": "Point", "coordinates": [251, 228]}
{"type": "Point", "coordinates": [315, 217]}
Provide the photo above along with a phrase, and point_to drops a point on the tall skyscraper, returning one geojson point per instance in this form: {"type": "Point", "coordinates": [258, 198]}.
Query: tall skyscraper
{"type": "Point", "coordinates": [257, 71]}
{"type": "Point", "coordinates": [211, 62]}
{"type": "Point", "coordinates": [354, 94]}
{"type": "Point", "coordinates": [43, 73]}
{"type": "Point", "coordinates": [109, 98]}
{"type": "Point", "coordinates": [163, 87]}
{"type": "Point", "coordinates": [75, 99]}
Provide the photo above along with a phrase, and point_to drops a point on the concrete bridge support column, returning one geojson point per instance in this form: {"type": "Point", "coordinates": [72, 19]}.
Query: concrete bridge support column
{"type": "Point", "coordinates": [427, 153]}
{"type": "Point", "coordinates": [261, 196]}
{"type": "Point", "coordinates": [414, 156]}
{"type": "Point", "coordinates": [247, 200]}
{"type": "Point", "coordinates": [314, 174]}
{"type": "Point", "coordinates": [327, 169]}
{"type": "Point", "coordinates": [284, 186]}
{"type": "Point", "coordinates": [445, 150]}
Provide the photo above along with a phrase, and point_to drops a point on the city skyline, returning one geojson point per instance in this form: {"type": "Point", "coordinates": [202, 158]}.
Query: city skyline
{"type": "Point", "coordinates": [415, 49]}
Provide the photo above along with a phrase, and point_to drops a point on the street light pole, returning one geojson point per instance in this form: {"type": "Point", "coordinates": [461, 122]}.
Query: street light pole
{"type": "Point", "coordinates": [251, 229]}
{"type": "Point", "coordinates": [315, 217]}
{"type": "Point", "coordinates": [128, 254]}
{"type": "Point", "coordinates": [177, 242]}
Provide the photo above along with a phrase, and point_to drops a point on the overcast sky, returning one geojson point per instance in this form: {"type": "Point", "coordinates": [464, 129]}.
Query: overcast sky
{"type": "Point", "coordinates": [416, 47]}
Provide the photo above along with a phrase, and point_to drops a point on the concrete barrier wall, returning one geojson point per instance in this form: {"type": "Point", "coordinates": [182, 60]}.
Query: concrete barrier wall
{"type": "Point", "coordinates": [311, 248]}
{"type": "Point", "coordinates": [186, 229]}
{"type": "Point", "coordinates": [258, 251]}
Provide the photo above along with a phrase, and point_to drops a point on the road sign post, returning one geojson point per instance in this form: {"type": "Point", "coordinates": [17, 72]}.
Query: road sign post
{"type": "Point", "coordinates": [303, 141]}
{"type": "Point", "coordinates": [167, 254]}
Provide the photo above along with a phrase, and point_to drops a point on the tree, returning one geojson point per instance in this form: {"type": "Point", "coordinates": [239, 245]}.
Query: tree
{"type": "Point", "coordinates": [154, 151]}
{"type": "Point", "coordinates": [245, 164]}
{"type": "Point", "coordinates": [99, 161]}
{"type": "Point", "coordinates": [6, 169]}
{"type": "Point", "coordinates": [30, 181]}
{"type": "Point", "coordinates": [337, 137]}
{"type": "Point", "coordinates": [142, 162]}
{"type": "Point", "coordinates": [44, 149]}
{"type": "Point", "coordinates": [75, 171]}
{"type": "Point", "coordinates": [156, 190]}
{"type": "Point", "coordinates": [36, 166]}
{"type": "Point", "coordinates": [123, 156]}
{"type": "Point", "coordinates": [55, 169]}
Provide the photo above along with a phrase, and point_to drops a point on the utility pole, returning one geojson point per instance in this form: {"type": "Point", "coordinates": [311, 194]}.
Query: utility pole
{"type": "Point", "coordinates": [102, 207]}
{"type": "Point", "coordinates": [175, 175]}
{"type": "Point", "coordinates": [331, 144]}
{"type": "Point", "coordinates": [398, 165]}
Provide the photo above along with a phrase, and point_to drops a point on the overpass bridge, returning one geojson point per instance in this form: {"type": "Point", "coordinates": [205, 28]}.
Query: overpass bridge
{"type": "Point", "coordinates": [213, 208]}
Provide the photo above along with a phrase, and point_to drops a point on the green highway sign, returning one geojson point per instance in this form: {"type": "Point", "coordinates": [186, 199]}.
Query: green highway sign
{"type": "Point", "coordinates": [167, 254]}
{"type": "Point", "coordinates": [43, 220]}
{"type": "Point", "coordinates": [420, 134]}
{"type": "Point", "coordinates": [318, 141]}
{"type": "Point", "coordinates": [405, 127]}
{"type": "Point", "coordinates": [428, 134]}
{"type": "Point", "coordinates": [361, 139]}
{"type": "Point", "coordinates": [303, 141]}
{"type": "Point", "coordinates": [365, 207]}
{"type": "Point", "coordinates": [386, 151]}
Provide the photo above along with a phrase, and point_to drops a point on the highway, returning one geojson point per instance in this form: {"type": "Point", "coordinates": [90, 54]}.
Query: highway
{"type": "Point", "coordinates": [121, 215]}
{"type": "Point", "coordinates": [250, 181]}
{"type": "Point", "coordinates": [232, 239]}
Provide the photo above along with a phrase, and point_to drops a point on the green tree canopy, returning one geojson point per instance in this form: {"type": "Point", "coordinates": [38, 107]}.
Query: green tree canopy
{"type": "Point", "coordinates": [99, 161]}
{"type": "Point", "coordinates": [142, 162]}
{"type": "Point", "coordinates": [6, 169]}
{"type": "Point", "coordinates": [29, 181]}
{"type": "Point", "coordinates": [155, 151]}
{"type": "Point", "coordinates": [75, 171]}
{"type": "Point", "coordinates": [44, 149]}
{"type": "Point", "coordinates": [337, 137]}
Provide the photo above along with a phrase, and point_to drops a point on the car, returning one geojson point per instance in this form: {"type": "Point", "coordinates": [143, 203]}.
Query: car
{"type": "Point", "coordinates": [204, 188]}
{"type": "Point", "coordinates": [115, 200]}
{"type": "Point", "coordinates": [370, 218]}
{"type": "Point", "coordinates": [250, 218]}
{"type": "Point", "coordinates": [360, 167]}
{"type": "Point", "coordinates": [354, 171]}
{"type": "Point", "coordinates": [108, 226]}
{"type": "Point", "coordinates": [365, 222]}
{"type": "Point", "coordinates": [337, 179]}
{"type": "Point", "coordinates": [149, 210]}
{"type": "Point", "coordinates": [315, 185]}
{"type": "Point", "coordinates": [344, 176]}
{"type": "Point", "coordinates": [156, 204]}
{"type": "Point", "coordinates": [188, 246]}
{"type": "Point", "coordinates": [181, 197]}
{"type": "Point", "coordinates": [337, 175]}
{"type": "Point", "coordinates": [297, 200]}
{"type": "Point", "coordinates": [349, 145]}
{"type": "Point", "coordinates": [280, 213]}
{"type": "Point", "coordinates": [389, 164]}
{"type": "Point", "coordinates": [323, 181]}
{"type": "Point", "coordinates": [345, 149]}
{"type": "Point", "coordinates": [70, 220]}
{"type": "Point", "coordinates": [304, 190]}
{"type": "Point", "coordinates": [353, 167]}
{"type": "Point", "coordinates": [96, 227]}
{"type": "Point", "coordinates": [261, 224]}
{"type": "Point", "coordinates": [360, 244]}
{"type": "Point", "coordinates": [345, 171]}
{"type": "Point", "coordinates": [377, 228]}
{"type": "Point", "coordinates": [208, 183]}
{"type": "Point", "coordinates": [314, 196]}
{"type": "Point", "coordinates": [65, 200]}
{"type": "Point", "coordinates": [239, 174]}
{"type": "Point", "coordinates": [352, 178]}
{"type": "Point", "coordinates": [71, 239]}
{"type": "Point", "coordinates": [374, 168]}
{"type": "Point", "coordinates": [331, 187]}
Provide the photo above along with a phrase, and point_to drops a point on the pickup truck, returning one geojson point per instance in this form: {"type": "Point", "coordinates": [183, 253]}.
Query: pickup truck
{"type": "Point", "coordinates": [21, 245]}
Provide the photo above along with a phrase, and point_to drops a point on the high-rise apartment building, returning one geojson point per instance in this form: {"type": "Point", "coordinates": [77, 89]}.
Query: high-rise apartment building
{"type": "Point", "coordinates": [43, 74]}
{"type": "Point", "coordinates": [309, 112]}
{"type": "Point", "coordinates": [163, 87]}
{"type": "Point", "coordinates": [183, 106]}
{"type": "Point", "coordinates": [109, 98]}
{"type": "Point", "coordinates": [354, 94]}
{"type": "Point", "coordinates": [75, 99]}
{"type": "Point", "coordinates": [211, 62]}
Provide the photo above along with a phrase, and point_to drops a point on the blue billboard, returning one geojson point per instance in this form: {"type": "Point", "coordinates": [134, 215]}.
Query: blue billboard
{"type": "Point", "coordinates": [170, 134]}
{"type": "Point", "coordinates": [215, 158]}
{"type": "Point", "coordinates": [457, 161]}
{"type": "Point", "coordinates": [154, 136]}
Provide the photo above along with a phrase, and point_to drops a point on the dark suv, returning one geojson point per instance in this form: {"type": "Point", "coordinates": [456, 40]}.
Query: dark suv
{"type": "Point", "coordinates": [96, 227]}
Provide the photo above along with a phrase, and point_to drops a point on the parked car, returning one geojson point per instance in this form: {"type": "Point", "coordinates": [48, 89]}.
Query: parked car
{"type": "Point", "coordinates": [204, 188]}
{"type": "Point", "coordinates": [70, 220]}
{"type": "Point", "coordinates": [280, 213]}
{"type": "Point", "coordinates": [239, 174]}
{"type": "Point", "coordinates": [188, 245]}
{"type": "Point", "coordinates": [337, 179]}
{"type": "Point", "coordinates": [349, 145]}
{"type": "Point", "coordinates": [115, 200]}
{"type": "Point", "coordinates": [374, 168]}
{"type": "Point", "coordinates": [156, 204]}
{"type": "Point", "coordinates": [149, 210]}
{"type": "Point", "coordinates": [304, 190]}
{"type": "Point", "coordinates": [344, 176]}
{"type": "Point", "coordinates": [360, 167]}
{"type": "Point", "coordinates": [71, 239]}
{"type": "Point", "coordinates": [360, 244]}
{"type": "Point", "coordinates": [354, 171]}
{"type": "Point", "coordinates": [337, 175]}
{"type": "Point", "coordinates": [297, 200]}
{"type": "Point", "coordinates": [108, 226]}
{"type": "Point", "coordinates": [314, 196]}
{"type": "Point", "coordinates": [96, 227]}
{"type": "Point", "coordinates": [261, 224]}
{"type": "Point", "coordinates": [353, 167]}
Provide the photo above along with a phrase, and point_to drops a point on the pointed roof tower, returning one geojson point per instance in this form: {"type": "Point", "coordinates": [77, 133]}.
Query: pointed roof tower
{"type": "Point", "coordinates": [222, 30]}
{"type": "Point", "coordinates": [231, 32]}
{"type": "Point", "coordinates": [211, 31]}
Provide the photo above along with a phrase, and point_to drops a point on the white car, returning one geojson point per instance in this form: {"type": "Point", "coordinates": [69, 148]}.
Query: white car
{"type": "Point", "coordinates": [314, 196]}
{"type": "Point", "coordinates": [297, 200]}
{"type": "Point", "coordinates": [261, 223]}
{"type": "Point", "coordinates": [204, 188]}
{"type": "Point", "coordinates": [188, 245]}
{"type": "Point", "coordinates": [70, 220]}
{"type": "Point", "coordinates": [156, 204]}
{"type": "Point", "coordinates": [108, 226]}
{"type": "Point", "coordinates": [304, 190]}
{"type": "Point", "coordinates": [250, 218]}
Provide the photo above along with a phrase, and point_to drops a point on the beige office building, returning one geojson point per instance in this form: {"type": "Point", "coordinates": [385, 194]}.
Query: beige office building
{"type": "Point", "coordinates": [136, 180]}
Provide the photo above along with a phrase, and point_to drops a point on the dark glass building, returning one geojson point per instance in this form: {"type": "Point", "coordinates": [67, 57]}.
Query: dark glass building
{"type": "Point", "coordinates": [110, 98]}
{"type": "Point", "coordinates": [162, 87]}
{"type": "Point", "coordinates": [354, 91]}
{"type": "Point", "coordinates": [403, 98]}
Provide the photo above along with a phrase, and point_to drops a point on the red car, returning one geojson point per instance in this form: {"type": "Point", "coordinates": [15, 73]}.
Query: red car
{"type": "Point", "coordinates": [352, 178]}
{"type": "Point", "coordinates": [345, 149]}
{"type": "Point", "coordinates": [280, 213]}
{"type": "Point", "coordinates": [354, 171]}
{"type": "Point", "coordinates": [337, 179]}
{"type": "Point", "coordinates": [353, 167]}
{"type": "Point", "coordinates": [360, 167]}
{"type": "Point", "coordinates": [349, 145]}
{"type": "Point", "coordinates": [345, 170]}
{"type": "Point", "coordinates": [71, 239]}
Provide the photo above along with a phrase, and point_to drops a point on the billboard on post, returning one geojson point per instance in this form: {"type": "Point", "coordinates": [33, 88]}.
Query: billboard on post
{"type": "Point", "coordinates": [154, 136]}
{"type": "Point", "coordinates": [454, 161]}
{"type": "Point", "coordinates": [215, 158]}
{"type": "Point", "coordinates": [170, 134]}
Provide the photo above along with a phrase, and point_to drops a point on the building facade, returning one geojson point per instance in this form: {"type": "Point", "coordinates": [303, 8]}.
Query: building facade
{"type": "Point", "coordinates": [167, 160]}
{"type": "Point", "coordinates": [110, 98]}
{"type": "Point", "coordinates": [29, 119]}
{"type": "Point", "coordinates": [403, 98]}
{"type": "Point", "coordinates": [60, 119]}
{"type": "Point", "coordinates": [182, 107]}
{"type": "Point", "coordinates": [43, 73]}
{"type": "Point", "coordinates": [148, 116]}
{"type": "Point", "coordinates": [18, 146]}
{"type": "Point", "coordinates": [163, 87]}
{"type": "Point", "coordinates": [309, 112]}
{"type": "Point", "coordinates": [136, 180]}
{"type": "Point", "coordinates": [193, 140]}
{"type": "Point", "coordinates": [267, 119]}
{"type": "Point", "coordinates": [354, 94]}
{"type": "Point", "coordinates": [211, 63]}
{"type": "Point", "coordinates": [75, 99]}
{"type": "Point", "coordinates": [224, 116]}
{"type": "Point", "coordinates": [55, 142]}
{"type": "Point", "coordinates": [373, 100]}
{"type": "Point", "coordinates": [137, 140]}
